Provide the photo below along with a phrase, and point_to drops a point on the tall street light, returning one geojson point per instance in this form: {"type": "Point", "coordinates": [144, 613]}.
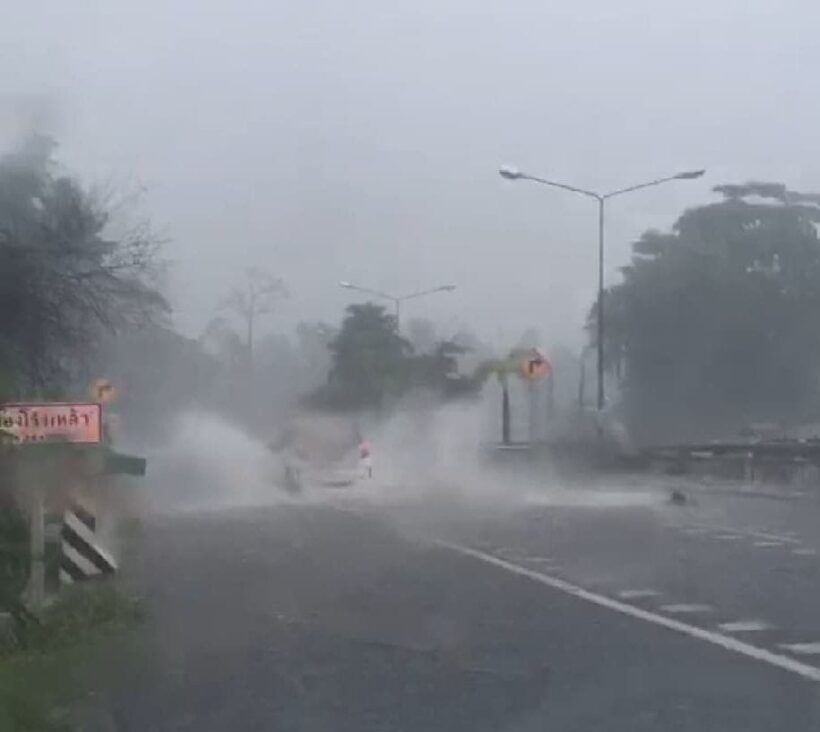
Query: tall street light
{"type": "Point", "coordinates": [397, 300]}
{"type": "Point", "coordinates": [601, 198]}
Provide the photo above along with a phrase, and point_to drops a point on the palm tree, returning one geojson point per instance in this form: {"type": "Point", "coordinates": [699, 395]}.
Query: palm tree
{"type": "Point", "coordinates": [502, 368]}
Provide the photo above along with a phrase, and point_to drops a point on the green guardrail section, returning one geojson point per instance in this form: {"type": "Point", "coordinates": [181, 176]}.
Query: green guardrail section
{"type": "Point", "coordinates": [89, 459]}
{"type": "Point", "coordinates": [115, 463]}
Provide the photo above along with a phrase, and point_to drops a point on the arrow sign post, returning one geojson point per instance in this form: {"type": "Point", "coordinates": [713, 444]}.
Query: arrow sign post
{"type": "Point", "coordinates": [534, 367]}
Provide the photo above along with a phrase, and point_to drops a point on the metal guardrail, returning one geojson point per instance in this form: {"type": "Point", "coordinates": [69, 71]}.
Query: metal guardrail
{"type": "Point", "coordinates": [786, 449]}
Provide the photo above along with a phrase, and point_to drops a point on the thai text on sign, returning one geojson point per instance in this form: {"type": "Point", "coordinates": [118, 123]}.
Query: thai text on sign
{"type": "Point", "coordinates": [52, 421]}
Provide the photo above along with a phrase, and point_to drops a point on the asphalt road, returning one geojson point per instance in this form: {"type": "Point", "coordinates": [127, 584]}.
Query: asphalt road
{"type": "Point", "coordinates": [603, 610]}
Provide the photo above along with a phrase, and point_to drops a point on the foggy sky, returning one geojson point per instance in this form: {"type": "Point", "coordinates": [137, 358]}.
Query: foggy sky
{"type": "Point", "coordinates": [328, 140]}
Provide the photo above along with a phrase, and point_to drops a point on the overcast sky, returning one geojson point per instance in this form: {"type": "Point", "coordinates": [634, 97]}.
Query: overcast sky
{"type": "Point", "coordinates": [328, 140]}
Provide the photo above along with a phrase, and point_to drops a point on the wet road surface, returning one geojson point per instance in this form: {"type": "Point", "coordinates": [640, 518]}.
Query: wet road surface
{"type": "Point", "coordinates": [598, 615]}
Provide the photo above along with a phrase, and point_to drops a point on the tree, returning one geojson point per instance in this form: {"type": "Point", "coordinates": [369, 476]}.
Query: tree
{"type": "Point", "coordinates": [371, 364]}
{"type": "Point", "coordinates": [65, 279]}
{"type": "Point", "coordinates": [501, 368]}
{"type": "Point", "coordinates": [258, 295]}
{"type": "Point", "coordinates": [439, 371]}
{"type": "Point", "coordinates": [714, 325]}
{"type": "Point", "coordinates": [368, 359]}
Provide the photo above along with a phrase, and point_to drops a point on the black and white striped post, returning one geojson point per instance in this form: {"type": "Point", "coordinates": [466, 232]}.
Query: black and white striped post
{"type": "Point", "coordinates": [81, 555]}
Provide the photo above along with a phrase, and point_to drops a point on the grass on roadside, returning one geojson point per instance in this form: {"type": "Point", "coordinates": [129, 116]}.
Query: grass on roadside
{"type": "Point", "coordinates": [45, 675]}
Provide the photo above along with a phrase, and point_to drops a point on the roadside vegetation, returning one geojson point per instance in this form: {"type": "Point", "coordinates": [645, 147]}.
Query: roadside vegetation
{"type": "Point", "coordinates": [711, 328]}
{"type": "Point", "coordinates": [372, 364]}
{"type": "Point", "coordinates": [73, 275]}
{"type": "Point", "coordinates": [47, 664]}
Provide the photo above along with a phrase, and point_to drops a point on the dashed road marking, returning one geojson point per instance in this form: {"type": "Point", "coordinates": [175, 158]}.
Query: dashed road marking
{"type": "Point", "coordinates": [750, 533]}
{"type": "Point", "coordinates": [726, 642]}
{"type": "Point", "coordinates": [804, 649]}
{"type": "Point", "coordinates": [684, 607]}
{"type": "Point", "coordinates": [637, 594]}
{"type": "Point", "coordinates": [767, 543]}
{"type": "Point", "coordinates": [804, 552]}
{"type": "Point", "coordinates": [540, 560]}
{"type": "Point", "coordinates": [727, 537]}
{"type": "Point", "coordinates": [745, 626]}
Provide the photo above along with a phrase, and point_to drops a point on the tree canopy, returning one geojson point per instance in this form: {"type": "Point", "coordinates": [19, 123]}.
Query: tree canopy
{"type": "Point", "coordinates": [371, 363]}
{"type": "Point", "coordinates": [64, 278]}
{"type": "Point", "coordinates": [715, 323]}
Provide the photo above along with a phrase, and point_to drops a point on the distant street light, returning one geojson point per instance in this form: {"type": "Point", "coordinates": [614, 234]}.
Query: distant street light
{"type": "Point", "coordinates": [397, 300]}
{"type": "Point", "coordinates": [601, 198]}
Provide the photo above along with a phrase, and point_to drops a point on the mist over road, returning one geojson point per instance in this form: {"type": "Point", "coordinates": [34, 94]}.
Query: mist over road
{"type": "Point", "coordinates": [350, 615]}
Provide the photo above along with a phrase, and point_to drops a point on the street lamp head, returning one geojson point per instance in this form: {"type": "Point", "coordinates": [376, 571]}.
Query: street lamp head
{"type": "Point", "coordinates": [510, 173]}
{"type": "Point", "coordinates": [690, 174]}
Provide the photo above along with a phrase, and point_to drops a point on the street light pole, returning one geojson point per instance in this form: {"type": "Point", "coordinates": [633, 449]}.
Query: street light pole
{"type": "Point", "coordinates": [397, 300]}
{"type": "Point", "coordinates": [601, 198]}
{"type": "Point", "coordinates": [600, 337]}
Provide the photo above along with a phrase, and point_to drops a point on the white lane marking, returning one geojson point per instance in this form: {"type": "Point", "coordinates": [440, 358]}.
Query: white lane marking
{"type": "Point", "coordinates": [804, 552]}
{"type": "Point", "coordinates": [806, 649]}
{"type": "Point", "coordinates": [723, 641]}
{"type": "Point", "coordinates": [728, 537]}
{"type": "Point", "coordinates": [505, 552]}
{"type": "Point", "coordinates": [683, 607]}
{"type": "Point", "coordinates": [767, 543]}
{"type": "Point", "coordinates": [637, 594]}
{"type": "Point", "coordinates": [750, 533]}
{"type": "Point", "coordinates": [540, 560]}
{"type": "Point", "coordinates": [745, 626]}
